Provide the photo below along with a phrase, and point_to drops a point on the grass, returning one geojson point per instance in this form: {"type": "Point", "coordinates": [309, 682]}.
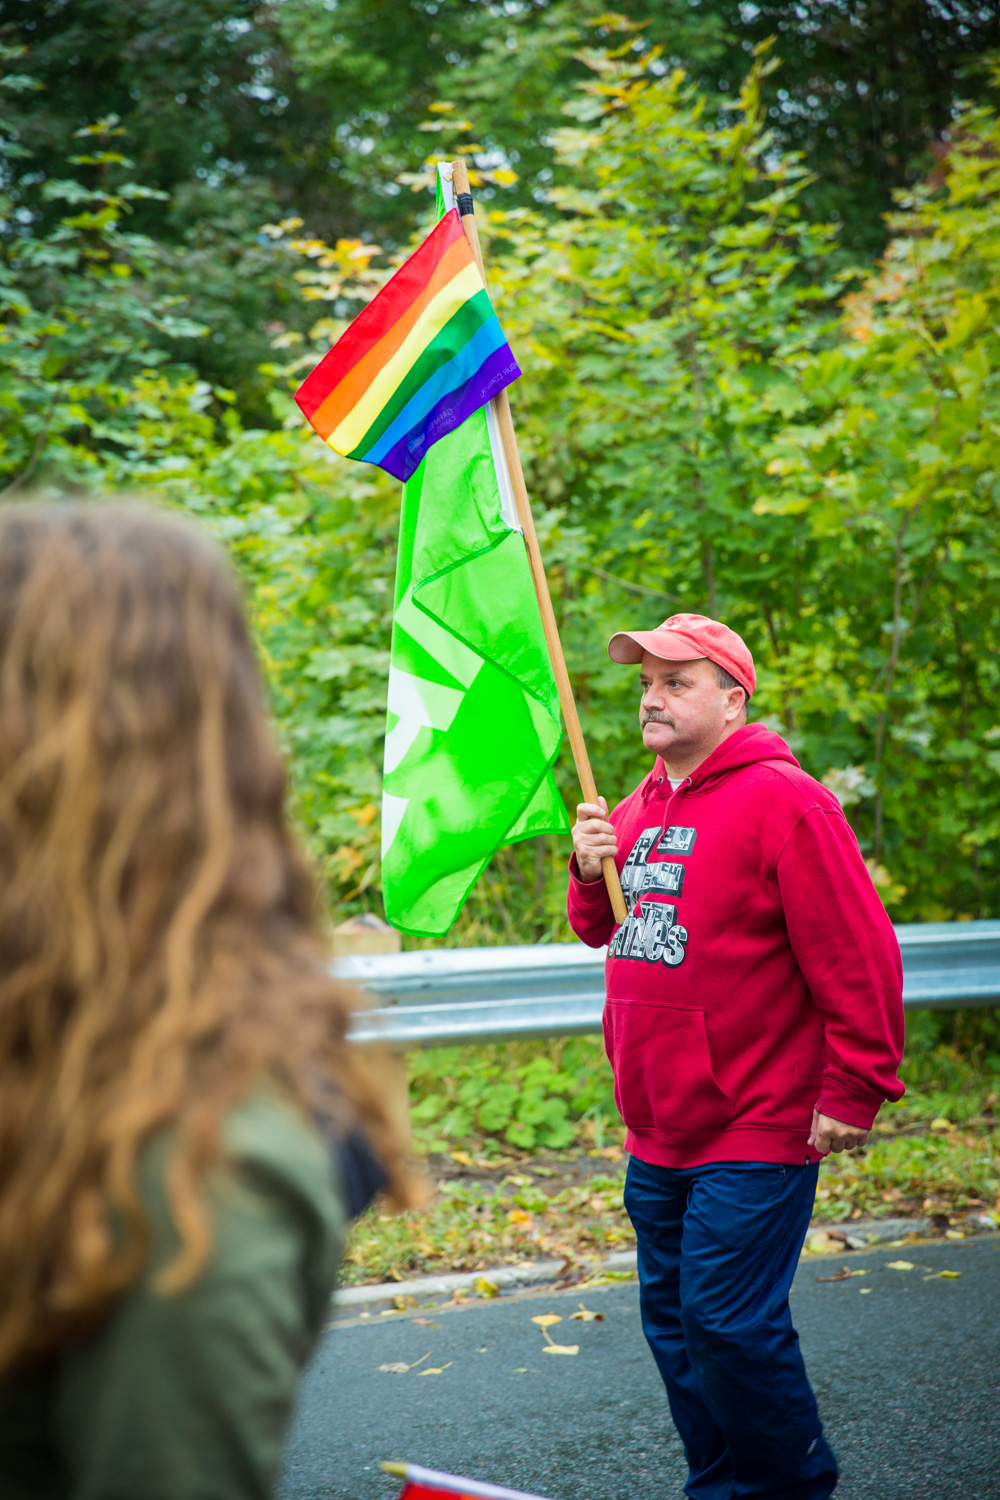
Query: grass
{"type": "Point", "coordinates": [523, 1144]}
{"type": "Point", "coordinates": [472, 1224]}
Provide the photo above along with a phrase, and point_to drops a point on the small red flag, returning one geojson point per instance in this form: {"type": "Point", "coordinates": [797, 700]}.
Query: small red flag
{"type": "Point", "coordinates": [428, 1484]}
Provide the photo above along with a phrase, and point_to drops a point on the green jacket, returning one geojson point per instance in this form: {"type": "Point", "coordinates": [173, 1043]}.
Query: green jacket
{"type": "Point", "coordinates": [187, 1397]}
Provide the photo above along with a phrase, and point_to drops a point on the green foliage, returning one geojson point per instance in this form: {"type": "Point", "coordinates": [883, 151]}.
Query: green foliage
{"type": "Point", "coordinates": [93, 400]}
{"type": "Point", "coordinates": [925, 1174]}
{"type": "Point", "coordinates": [722, 438]}
{"type": "Point", "coordinates": [549, 1095]}
{"type": "Point", "coordinates": [887, 479]}
{"type": "Point", "coordinates": [83, 340]}
{"type": "Point", "coordinates": [714, 416]}
{"type": "Point", "coordinates": [239, 114]}
{"type": "Point", "coordinates": [528, 1095]}
{"type": "Point", "coordinates": [867, 92]}
{"type": "Point", "coordinates": [710, 418]}
{"type": "Point", "coordinates": [474, 1225]}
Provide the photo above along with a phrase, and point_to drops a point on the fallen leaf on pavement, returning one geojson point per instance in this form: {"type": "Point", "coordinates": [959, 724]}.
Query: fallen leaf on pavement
{"type": "Point", "coordinates": [840, 1276]}
{"type": "Point", "coordinates": [900, 1265]}
{"type": "Point", "coordinates": [552, 1348]}
{"type": "Point", "coordinates": [585, 1316]}
{"type": "Point", "coordinates": [397, 1367]}
{"type": "Point", "coordinates": [568, 1274]}
{"type": "Point", "coordinates": [949, 1275]}
{"type": "Point", "coordinates": [864, 1290]}
{"type": "Point", "coordinates": [425, 1323]}
{"type": "Point", "coordinates": [602, 1278]}
{"type": "Point", "coordinates": [440, 1371]}
{"type": "Point", "coordinates": [486, 1288]}
{"type": "Point", "coordinates": [546, 1320]}
{"type": "Point", "coordinates": [401, 1303]}
{"type": "Point", "coordinates": [824, 1240]}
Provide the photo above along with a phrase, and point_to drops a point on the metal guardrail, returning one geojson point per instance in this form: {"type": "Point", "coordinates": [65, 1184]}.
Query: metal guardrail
{"type": "Point", "coordinates": [447, 996]}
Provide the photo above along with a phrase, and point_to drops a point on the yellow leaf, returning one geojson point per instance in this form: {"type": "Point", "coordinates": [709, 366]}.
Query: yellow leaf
{"type": "Point", "coordinates": [546, 1320]}
{"type": "Point", "coordinates": [553, 1348]}
{"type": "Point", "coordinates": [821, 1241]}
{"type": "Point", "coordinates": [401, 1303]}
{"type": "Point", "coordinates": [440, 1371]}
{"type": "Point", "coordinates": [486, 1288]}
{"type": "Point", "coordinates": [940, 1123]}
{"type": "Point", "coordinates": [900, 1265]}
{"type": "Point", "coordinates": [586, 1316]}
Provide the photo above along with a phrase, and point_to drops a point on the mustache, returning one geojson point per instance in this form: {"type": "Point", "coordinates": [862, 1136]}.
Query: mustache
{"type": "Point", "coordinates": [654, 718]}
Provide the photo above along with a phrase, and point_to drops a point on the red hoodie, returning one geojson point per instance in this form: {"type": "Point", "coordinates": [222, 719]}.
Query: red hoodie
{"type": "Point", "coordinates": [757, 975]}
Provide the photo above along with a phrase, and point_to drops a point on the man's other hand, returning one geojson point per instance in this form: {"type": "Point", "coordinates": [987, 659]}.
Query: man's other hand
{"type": "Point", "coordinates": [593, 839]}
{"type": "Point", "coordinates": [833, 1135]}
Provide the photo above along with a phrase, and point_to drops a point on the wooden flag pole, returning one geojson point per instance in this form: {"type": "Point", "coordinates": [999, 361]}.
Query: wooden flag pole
{"type": "Point", "coordinates": [460, 183]}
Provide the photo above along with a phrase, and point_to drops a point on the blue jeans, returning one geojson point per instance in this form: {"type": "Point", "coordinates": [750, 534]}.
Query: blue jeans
{"type": "Point", "coordinates": [718, 1246]}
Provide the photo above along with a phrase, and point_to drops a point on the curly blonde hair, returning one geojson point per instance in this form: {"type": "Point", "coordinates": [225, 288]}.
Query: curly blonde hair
{"type": "Point", "coordinates": [160, 938]}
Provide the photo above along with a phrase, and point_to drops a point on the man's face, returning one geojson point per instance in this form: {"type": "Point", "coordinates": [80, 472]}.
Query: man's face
{"type": "Point", "coordinates": [683, 708]}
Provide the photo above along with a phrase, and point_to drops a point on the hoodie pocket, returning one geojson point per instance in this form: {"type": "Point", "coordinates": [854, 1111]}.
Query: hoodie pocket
{"type": "Point", "coordinates": [663, 1070]}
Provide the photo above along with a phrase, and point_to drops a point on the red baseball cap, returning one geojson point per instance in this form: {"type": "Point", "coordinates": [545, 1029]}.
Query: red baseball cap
{"type": "Point", "coordinates": [685, 637]}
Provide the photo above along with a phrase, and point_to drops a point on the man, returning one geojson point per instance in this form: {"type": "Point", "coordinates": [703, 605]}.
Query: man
{"type": "Point", "coordinates": [754, 1022]}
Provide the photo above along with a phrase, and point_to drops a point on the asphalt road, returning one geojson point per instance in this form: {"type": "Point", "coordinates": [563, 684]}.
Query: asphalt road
{"type": "Point", "coordinates": [906, 1370]}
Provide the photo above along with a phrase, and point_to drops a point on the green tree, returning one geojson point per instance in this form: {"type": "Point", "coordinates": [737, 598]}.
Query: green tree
{"type": "Point", "coordinates": [702, 426]}
{"type": "Point", "coordinates": [654, 316]}
{"type": "Point", "coordinates": [868, 93]}
{"type": "Point", "coordinates": [83, 339]}
{"type": "Point", "coordinates": [889, 475]}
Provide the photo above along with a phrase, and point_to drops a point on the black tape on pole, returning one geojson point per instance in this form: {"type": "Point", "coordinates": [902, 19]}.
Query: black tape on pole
{"type": "Point", "coordinates": [463, 202]}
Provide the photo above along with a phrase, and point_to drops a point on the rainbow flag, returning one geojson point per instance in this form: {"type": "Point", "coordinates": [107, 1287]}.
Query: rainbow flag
{"type": "Point", "coordinates": [425, 354]}
{"type": "Point", "coordinates": [428, 1484]}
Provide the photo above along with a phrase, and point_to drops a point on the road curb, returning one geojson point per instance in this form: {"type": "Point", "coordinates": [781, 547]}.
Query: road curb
{"type": "Point", "coordinates": [503, 1278]}
{"type": "Point", "coordinates": [860, 1234]}
{"type": "Point", "coordinates": [822, 1239]}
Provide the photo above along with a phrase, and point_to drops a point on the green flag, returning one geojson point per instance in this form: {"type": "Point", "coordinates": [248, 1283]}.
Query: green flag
{"type": "Point", "coordinates": [473, 727]}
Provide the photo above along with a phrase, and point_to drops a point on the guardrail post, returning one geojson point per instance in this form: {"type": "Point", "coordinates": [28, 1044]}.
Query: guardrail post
{"type": "Point", "coordinates": [369, 934]}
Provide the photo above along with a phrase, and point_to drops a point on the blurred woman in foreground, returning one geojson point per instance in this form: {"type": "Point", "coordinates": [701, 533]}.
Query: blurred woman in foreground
{"type": "Point", "coordinates": [170, 1219]}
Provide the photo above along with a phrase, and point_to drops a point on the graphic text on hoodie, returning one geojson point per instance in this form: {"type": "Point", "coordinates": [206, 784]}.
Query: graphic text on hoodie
{"type": "Point", "coordinates": [653, 935]}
